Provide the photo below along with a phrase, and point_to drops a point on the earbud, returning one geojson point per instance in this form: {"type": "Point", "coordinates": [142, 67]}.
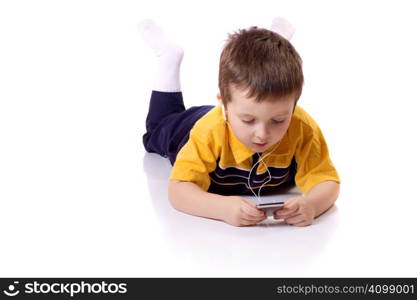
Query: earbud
{"type": "Point", "coordinates": [224, 113]}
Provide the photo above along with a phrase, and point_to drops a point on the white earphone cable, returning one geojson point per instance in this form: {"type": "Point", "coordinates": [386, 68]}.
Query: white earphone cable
{"type": "Point", "coordinates": [261, 159]}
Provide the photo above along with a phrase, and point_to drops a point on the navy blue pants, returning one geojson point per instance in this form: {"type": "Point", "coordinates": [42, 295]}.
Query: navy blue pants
{"type": "Point", "coordinates": [168, 123]}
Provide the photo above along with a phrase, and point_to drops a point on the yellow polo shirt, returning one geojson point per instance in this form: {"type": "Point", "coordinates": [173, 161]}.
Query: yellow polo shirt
{"type": "Point", "coordinates": [215, 160]}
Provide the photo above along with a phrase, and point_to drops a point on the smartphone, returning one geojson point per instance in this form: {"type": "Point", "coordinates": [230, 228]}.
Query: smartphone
{"type": "Point", "coordinates": [270, 205]}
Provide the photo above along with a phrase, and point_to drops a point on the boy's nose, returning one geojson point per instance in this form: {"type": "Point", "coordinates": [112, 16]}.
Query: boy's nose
{"type": "Point", "coordinates": [261, 132]}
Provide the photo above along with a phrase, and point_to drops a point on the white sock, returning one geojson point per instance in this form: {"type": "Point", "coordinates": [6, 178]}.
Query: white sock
{"type": "Point", "coordinates": [283, 27]}
{"type": "Point", "coordinates": [169, 55]}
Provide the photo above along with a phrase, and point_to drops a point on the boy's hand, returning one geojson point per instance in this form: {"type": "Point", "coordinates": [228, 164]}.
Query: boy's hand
{"type": "Point", "coordinates": [243, 212]}
{"type": "Point", "coordinates": [296, 211]}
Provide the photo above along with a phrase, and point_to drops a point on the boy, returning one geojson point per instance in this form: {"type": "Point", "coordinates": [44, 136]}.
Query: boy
{"type": "Point", "coordinates": [257, 138]}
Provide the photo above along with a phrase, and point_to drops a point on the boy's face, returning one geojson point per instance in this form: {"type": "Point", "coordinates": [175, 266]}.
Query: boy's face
{"type": "Point", "coordinates": [258, 125]}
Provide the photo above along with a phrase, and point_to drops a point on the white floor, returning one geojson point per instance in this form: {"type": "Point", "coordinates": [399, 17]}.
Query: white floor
{"type": "Point", "coordinates": [80, 197]}
{"type": "Point", "coordinates": [345, 241]}
{"type": "Point", "coordinates": [121, 224]}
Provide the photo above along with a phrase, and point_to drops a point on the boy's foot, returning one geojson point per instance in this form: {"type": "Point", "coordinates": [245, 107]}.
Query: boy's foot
{"type": "Point", "coordinates": [283, 27]}
{"type": "Point", "coordinates": [170, 56]}
{"type": "Point", "coordinates": [157, 39]}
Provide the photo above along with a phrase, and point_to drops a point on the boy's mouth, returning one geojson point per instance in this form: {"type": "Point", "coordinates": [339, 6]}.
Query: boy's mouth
{"type": "Point", "coordinates": [260, 144]}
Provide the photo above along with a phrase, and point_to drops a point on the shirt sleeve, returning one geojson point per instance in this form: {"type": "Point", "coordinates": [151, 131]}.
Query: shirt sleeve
{"type": "Point", "coordinates": [313, 161]}
{"type": "Point", "coordinates": [195, 161]}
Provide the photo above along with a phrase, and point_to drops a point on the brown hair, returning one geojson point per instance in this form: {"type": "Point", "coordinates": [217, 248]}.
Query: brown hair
{"type": "Point", "coordinates": [261, 62]}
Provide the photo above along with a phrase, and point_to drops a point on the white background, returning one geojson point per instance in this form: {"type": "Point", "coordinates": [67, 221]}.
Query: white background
{"type": "Point", "coordinates": [79, 196]}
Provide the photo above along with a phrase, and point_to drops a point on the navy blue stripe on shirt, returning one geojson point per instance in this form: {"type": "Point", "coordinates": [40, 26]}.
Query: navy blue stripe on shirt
{"type": "Point", "coordinates": [232, 181]}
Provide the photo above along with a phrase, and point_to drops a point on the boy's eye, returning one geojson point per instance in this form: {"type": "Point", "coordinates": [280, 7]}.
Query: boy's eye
{"type": "Point", "coordinates": [248, 121]}
{"type": "Point", "coordinates": [273, 121]}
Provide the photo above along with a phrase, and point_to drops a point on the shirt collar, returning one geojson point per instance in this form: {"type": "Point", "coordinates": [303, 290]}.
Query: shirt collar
{"type": "Point", "coordinates": [239, 150]}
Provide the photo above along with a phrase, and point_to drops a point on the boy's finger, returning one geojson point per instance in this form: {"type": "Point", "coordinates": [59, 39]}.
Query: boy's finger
{"type": "Point", "coordinates": [294, 219]}
{"type": "Point", "coordinates": [245, 222]}
{"type": "Point", "coordinates": [252, 219]}
{"type": "Point", "coordinates": [281, 215]}
{"type": "Point", "coordinates": [285, 213]}
{"type": "Point", "coordinates": [302, 224]}
{"type": "Point", "coordinates": [252, 211]}
{"type": "Point", "coordinates": [290, 206]}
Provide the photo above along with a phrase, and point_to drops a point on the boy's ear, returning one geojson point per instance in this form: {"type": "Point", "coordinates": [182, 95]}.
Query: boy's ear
{"type": "Point", "coordinates": [219, 98]}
